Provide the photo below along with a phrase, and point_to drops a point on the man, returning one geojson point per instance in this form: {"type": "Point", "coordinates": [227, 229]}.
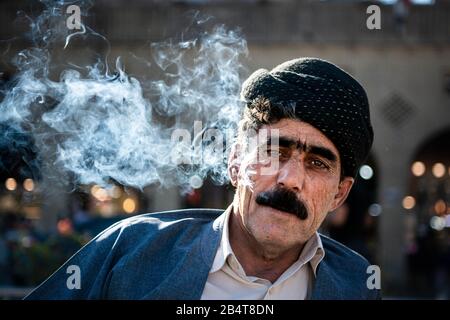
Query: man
{"type": "Point", "coordinates": [265, 245]}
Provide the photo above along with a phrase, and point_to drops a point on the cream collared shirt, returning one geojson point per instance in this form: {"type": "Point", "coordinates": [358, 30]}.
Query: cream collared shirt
{"type": "Point", "coordinates": [227, 279]}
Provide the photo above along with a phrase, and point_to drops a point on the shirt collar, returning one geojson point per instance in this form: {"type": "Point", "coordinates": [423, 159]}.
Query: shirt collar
{"type": "Point", "coordinates": [312, 252]}
{"type": "Point", "coordinates": [224, 250]}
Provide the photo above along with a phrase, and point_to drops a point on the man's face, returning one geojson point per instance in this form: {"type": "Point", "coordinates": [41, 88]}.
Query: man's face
{"type": "Point", "coordinates": [307, 177]}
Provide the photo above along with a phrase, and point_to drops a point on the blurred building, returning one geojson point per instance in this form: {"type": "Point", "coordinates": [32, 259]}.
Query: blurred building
{"type": "Point", "coordinates": [403, 196]}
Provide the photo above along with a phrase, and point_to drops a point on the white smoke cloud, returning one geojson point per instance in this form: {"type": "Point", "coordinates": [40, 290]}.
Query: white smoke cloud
{"type": "Point", "coordinates": [100, 125]}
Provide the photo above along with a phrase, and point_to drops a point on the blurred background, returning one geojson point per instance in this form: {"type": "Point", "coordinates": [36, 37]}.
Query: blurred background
{"type": "Point", "coordinates": [398, 214]}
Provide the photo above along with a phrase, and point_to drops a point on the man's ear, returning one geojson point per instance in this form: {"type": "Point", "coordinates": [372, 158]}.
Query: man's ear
{"type": "Point", "coordinates": [343, 190]}
{"type": "Point", "coordinates": [234, 164]}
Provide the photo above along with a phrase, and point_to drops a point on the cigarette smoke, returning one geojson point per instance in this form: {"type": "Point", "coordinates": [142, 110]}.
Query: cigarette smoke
{"type": "Point", "coordinates": [97, 125]}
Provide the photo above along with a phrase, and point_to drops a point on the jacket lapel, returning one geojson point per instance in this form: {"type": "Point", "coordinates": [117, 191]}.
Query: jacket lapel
{"type": "Point", "coordinates": [326, 285]}
{"type": "Point", "coordinates": [188, 278]}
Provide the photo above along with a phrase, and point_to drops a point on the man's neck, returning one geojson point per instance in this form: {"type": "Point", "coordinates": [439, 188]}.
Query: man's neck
{"type": "Point", "coordinates": [267, 262]}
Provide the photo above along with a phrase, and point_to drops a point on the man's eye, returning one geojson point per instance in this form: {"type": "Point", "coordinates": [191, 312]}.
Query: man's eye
{"type": "Point", "coordinates": [319, 164]}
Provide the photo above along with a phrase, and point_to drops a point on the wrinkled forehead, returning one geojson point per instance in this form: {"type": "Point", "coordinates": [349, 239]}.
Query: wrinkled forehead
{"type": "Point", "coordinates": [304, 134]}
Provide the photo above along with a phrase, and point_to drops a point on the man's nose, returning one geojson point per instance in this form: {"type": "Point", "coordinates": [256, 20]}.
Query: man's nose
{"type": "Point", "coordinates": [292, 175]}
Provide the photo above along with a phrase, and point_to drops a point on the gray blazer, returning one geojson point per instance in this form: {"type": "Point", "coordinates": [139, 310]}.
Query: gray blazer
{"type": "Point", "coordinates": [168, 255]}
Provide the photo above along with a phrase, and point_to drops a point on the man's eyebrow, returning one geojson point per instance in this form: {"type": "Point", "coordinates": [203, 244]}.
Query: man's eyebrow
{"type": "Point", "coordinates": [323, 152]}
{"type": "Point", "coordinates": [283, 142]}
{"type": "Point", "coordinates": [313, 149]}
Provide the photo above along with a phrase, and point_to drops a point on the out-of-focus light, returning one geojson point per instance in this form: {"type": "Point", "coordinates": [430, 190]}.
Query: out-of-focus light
{"type": "Point", "coordinates": [437, 223]}
{"type": "Point", "coordinates": [27, 241]}
{"type": "Point", "coordinates": [196, 182]}
{"type": "Point", "coordinates": [64, 226]}
{"type": "Point", "coordinates": [100, 194]}
{"type": "Point", "coordinates": [28, 185]}
{"type": "Point", "coordinates": [438, 170]}
{"type": "Point", "coordinates": [418, 168]}
{"type": "Point", "coordinates": [408, 202]}
{"type": "Point", "coordinates": [375, 209]}
{"type": "Point", "coordinates": [129, 205]}
{"type": "Point", "coordinates": [94, 189]}
{"type": "Point", "coordinates": [115, 192]}
{"type": "Point", "coordinates": [440, 207]}
{"type": "Point", "coordinates": [366, 172]}
{"type": "Point", "coordinates": [11, 184]}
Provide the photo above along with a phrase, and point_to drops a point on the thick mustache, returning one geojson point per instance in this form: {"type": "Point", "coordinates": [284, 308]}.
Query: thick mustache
{"type": "Point", "coordinates": [284, 200]}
